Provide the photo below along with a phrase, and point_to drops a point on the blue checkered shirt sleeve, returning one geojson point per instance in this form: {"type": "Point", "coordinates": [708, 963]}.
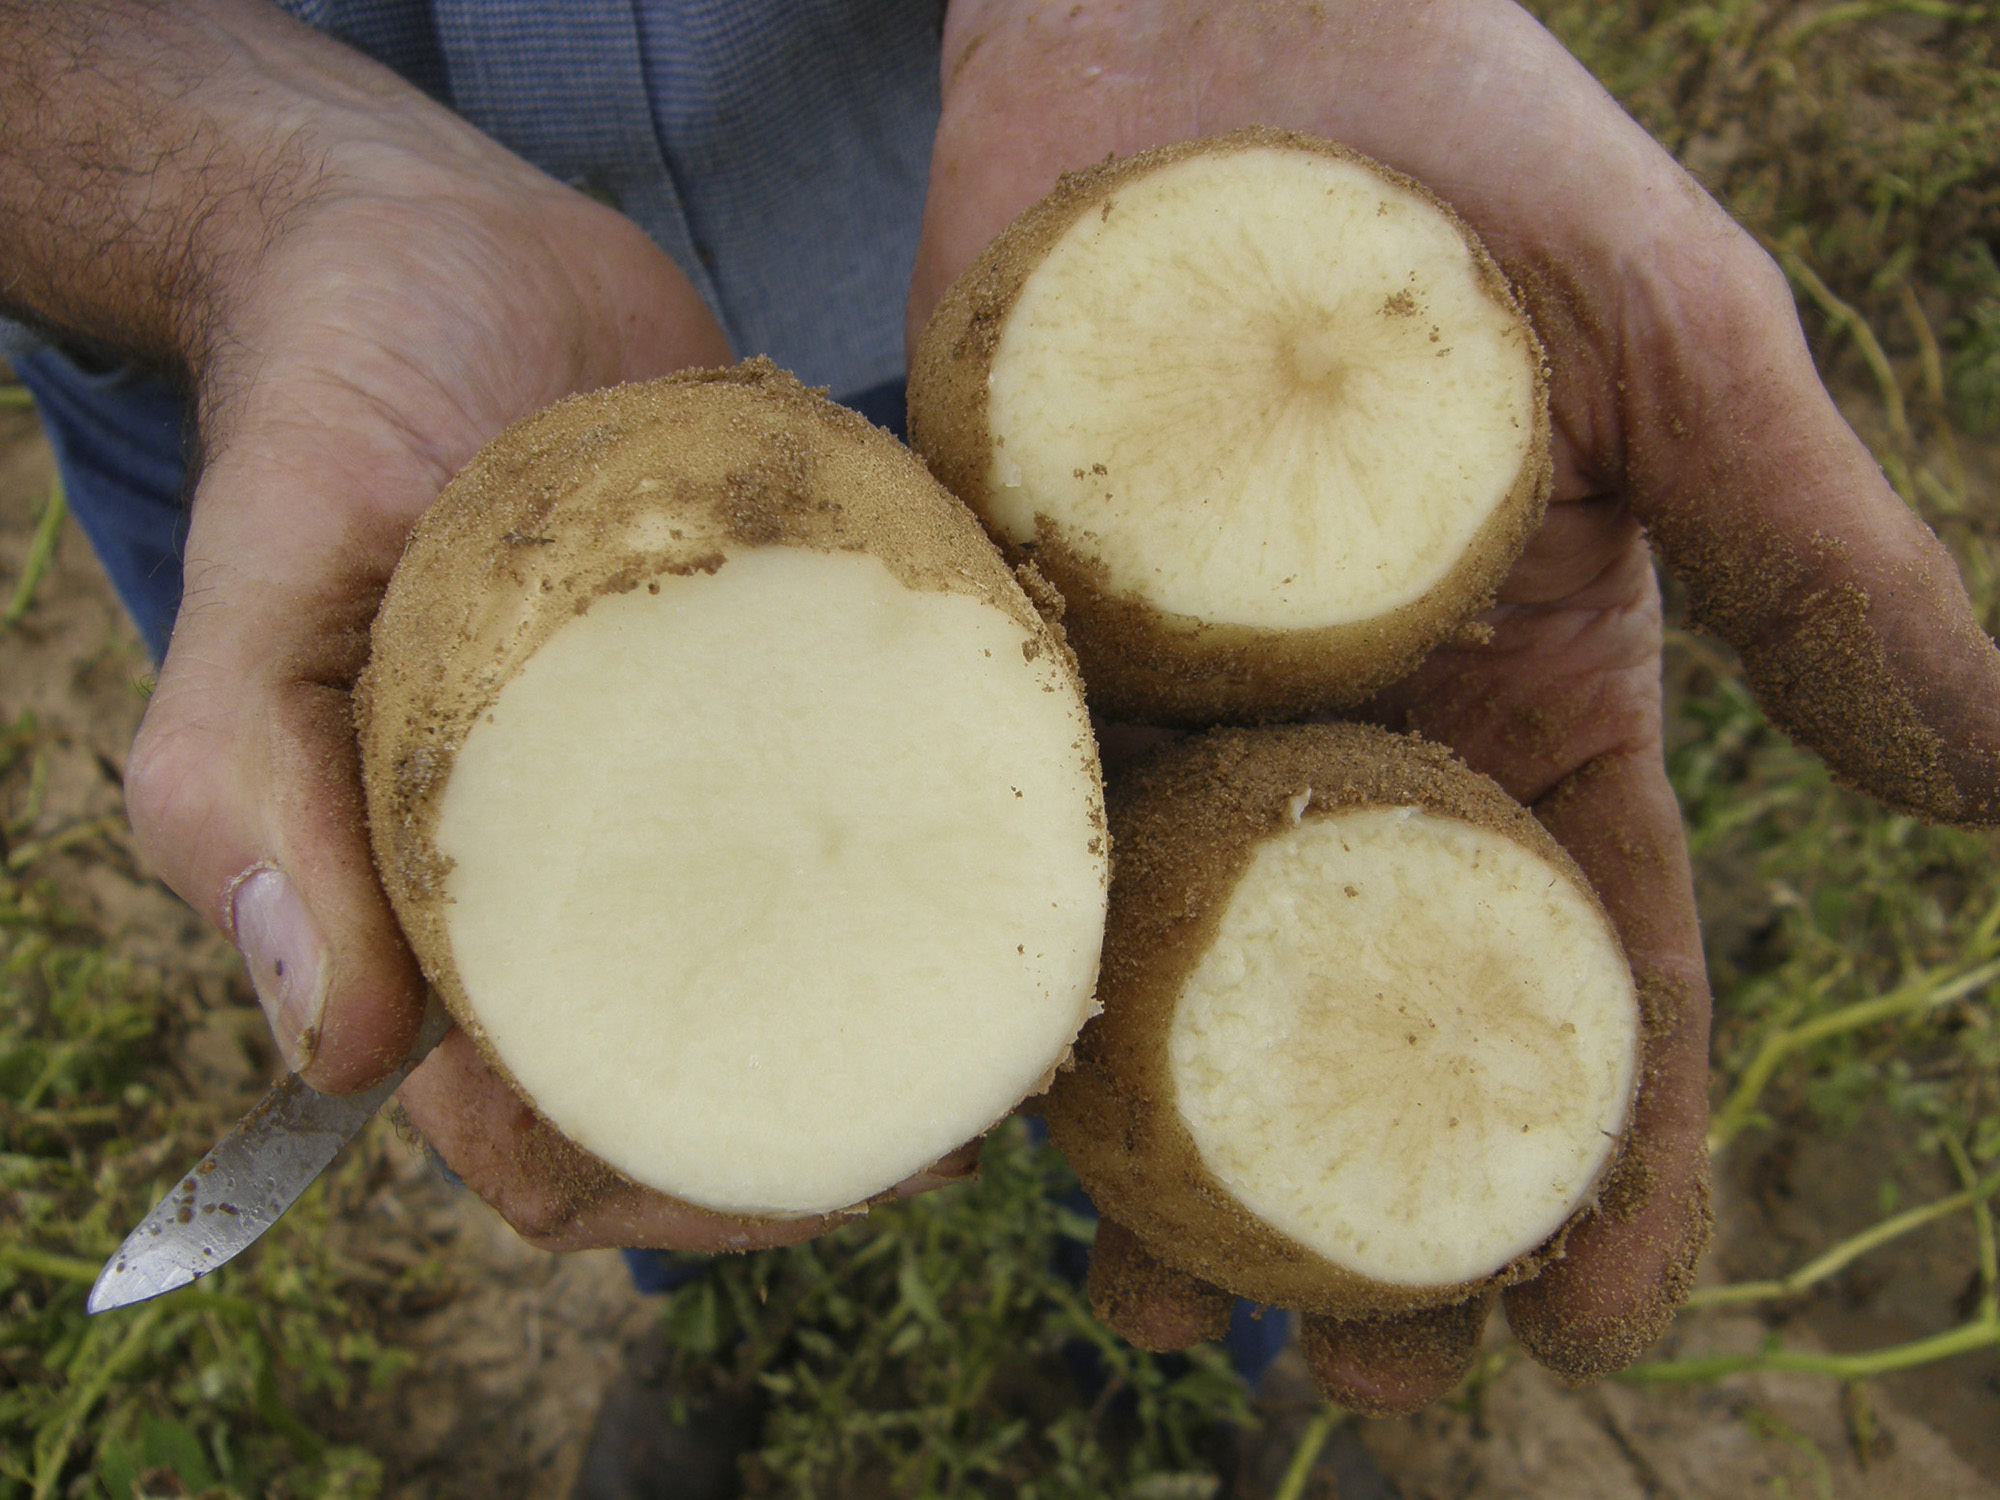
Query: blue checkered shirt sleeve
{"type": "Point", "coordinates": [776, 149]}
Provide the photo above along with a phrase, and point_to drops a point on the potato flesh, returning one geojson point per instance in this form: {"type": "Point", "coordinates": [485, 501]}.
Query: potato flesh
{"type": "Point", "coordinates": [1233, 390]}
{"type": "Point", "coordinates": [812, 856]}
{"type": "Point", "coordinates": [1411, 1046]}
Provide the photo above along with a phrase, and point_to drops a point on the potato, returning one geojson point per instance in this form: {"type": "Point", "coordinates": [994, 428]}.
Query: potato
{"type": "Point", "coordinates": [1369, 1042]}
{"type": "Point", "coordinates": [1264, 411]}
{"type": "Point", "coordinates": [732, 793]}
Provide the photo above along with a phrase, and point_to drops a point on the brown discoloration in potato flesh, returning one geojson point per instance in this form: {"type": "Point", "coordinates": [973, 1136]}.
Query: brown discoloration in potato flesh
{"type": "Point", "coordinates": [1140, 662]}
{"type": "Point", "coordinates": [1185, 823]}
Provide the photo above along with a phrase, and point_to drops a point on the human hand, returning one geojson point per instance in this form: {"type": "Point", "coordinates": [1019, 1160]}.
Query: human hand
{"type": "Point", "coordinates": [382, 290]}
{"type": "Point", "coordinates": [1685, 405]}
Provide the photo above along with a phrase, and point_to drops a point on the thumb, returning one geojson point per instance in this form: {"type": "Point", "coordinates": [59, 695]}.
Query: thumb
{"type": "Point", "coordinates": [244, 782]}
{"type": "Point", "coordinates": [1849, 616]}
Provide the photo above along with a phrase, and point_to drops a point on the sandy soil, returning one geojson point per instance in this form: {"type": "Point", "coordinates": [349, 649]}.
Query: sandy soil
{"type": "Point", "coordinates": [515, 1347]}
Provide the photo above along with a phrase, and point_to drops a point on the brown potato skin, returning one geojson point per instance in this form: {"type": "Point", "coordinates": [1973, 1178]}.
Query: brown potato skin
{"type": "Point", "coordinates": [1141, 663]}
{"type": "Point", "coordinates": [604, 493]}
{"type": "Point", "coordinates": [1184, 824]}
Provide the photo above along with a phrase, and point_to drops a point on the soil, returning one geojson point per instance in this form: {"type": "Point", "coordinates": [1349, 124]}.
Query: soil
{"type": "Point", "coordinates": [514, 1348]}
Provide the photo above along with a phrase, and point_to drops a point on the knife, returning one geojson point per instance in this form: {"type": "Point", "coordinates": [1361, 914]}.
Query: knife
{"type": "Point", "coordinates": [242, 1187]}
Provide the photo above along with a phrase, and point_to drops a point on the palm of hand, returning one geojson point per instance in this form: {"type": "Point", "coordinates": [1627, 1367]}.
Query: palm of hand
{"type": "Point", "coordinates": [1682, 396]}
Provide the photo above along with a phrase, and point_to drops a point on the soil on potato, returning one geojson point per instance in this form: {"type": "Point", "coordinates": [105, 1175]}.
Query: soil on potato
{"type": "Point", "coordinates": [513, 1348]}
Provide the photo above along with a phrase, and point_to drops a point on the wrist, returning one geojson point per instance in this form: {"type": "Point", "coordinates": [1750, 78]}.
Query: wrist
{"type": "Point", "coordinates": [126, 187]}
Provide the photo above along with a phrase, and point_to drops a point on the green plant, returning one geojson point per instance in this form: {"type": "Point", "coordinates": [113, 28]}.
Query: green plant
{"type": "Point", "coordinates": [207, 1387]}
{"type": "Point", "coordinates": [927, 1352]}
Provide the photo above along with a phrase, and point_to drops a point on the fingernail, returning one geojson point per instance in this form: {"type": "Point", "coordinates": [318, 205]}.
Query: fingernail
{"type": "Point", "coordinates": [955, 1166]}
{"type": "Point", "coordinates": [930, 1181]}
{"type": "Point", "coordinates": [281, 945]}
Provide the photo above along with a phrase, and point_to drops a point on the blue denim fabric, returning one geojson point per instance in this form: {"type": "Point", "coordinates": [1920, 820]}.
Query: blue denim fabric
{"type": "Point", "coordinates": [121, 442]}
{"type": "Point", "coordinates": [656, 1271]}
{"type": "Point", "coordinates": [777, 150]}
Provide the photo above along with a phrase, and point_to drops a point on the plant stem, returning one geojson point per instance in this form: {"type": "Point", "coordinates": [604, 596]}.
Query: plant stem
{"type": "Point", "coordinates": [48, 1470]}
{"type": "Point", "coordinates": [1926, 992]}
{"type": "Point", "coordinates": [1868, 10]}
{"type": "Point", "coordinates": [1979, 1334]}
{"type": "Point", "coordinates": [1820, 1267]}
{"type": "Point", "coordinates": [46, 1263]}
{"type": "Point", "coordinates": [75, 1117]}
{"type": "Point", "coordinates": [1845, 318]}
{"type": "Point", "coordinates": [1982, 1233]}
{"type": "Point", "coordinates": [60, 1056]}
{"type": "Point", "coordinates": [1318, 1430]}
{"type": "Point", "coordinates": [24, 855]}
{"type": "Point", "coordinates": [1929, 355]}
{"type": "Point", "coordinates": [41, 552]}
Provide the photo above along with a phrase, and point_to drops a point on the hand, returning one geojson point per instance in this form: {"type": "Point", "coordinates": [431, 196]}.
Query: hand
{"type": "Point", "coordinates": [1685, 406]}
{"type": "Point", "coordinates": [411, 289]}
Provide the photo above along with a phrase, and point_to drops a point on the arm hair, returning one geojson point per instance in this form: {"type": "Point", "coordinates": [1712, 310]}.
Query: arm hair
{"type": "Point", "coordinates": [138, 171]}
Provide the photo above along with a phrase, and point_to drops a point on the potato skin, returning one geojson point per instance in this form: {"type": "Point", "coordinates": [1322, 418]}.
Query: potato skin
{"type": "Point", "coordinates": [604, 493]}
{"type": "Point", "coordinates": [1140, 663]}
{"type": "Point", "coordinates": [1185, 823]}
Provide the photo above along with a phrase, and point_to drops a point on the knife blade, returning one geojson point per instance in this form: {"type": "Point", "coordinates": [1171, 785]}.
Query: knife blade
{"type": "Point", "coordinates": [243, 1186]}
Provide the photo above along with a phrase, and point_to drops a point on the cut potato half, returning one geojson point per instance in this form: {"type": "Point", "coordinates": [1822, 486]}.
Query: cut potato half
{"type": "Point", "coordinates": [733, 795]}
{"type": "Point", "coordinates": [1369, 1043]}
{"type": "Point", "coordinates": [1263, 410]}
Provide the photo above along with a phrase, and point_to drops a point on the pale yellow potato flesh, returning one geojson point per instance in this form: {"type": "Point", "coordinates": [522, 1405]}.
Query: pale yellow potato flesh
{"type": "Point", "coordinates": [886, 893]}
{"type": "Point", "coordinates": [1267, 388]}
{"type": "Point", "coordinates": [1411, 1046]}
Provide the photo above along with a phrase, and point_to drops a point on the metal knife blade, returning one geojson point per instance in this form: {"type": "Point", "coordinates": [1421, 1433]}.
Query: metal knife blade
{"type": "Point", "coordinates": [243, 1186]}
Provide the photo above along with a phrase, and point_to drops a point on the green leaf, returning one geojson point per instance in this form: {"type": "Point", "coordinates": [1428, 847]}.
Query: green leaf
{"type": "Point", "coordinates": [118, 1468]}
{"type": "Point", "coordinates": [916, 1294]}
{"type": "Point", "coordinates": [167, 1444]}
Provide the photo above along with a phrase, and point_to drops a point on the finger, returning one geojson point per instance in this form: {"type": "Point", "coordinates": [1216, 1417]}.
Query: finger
{"type": "Point", "coordinates": [1627, 1267]}
{"type": "Point", "coordinates": [244, 789]}
{"type": "Point", "coordinates": [554, 1194]}
{"type": "Point", "coordinates": [1389, 1366]}
{"type": "Point", "coordinates": [954, 1167]}
{"type": "Point", "coordinates": [1148, 1303]}
{"type": "Point", "coordinates": [1854, 629]}
{"type": "Point", "coordinates": [1562, 707]}
{"type": "Point", "coordinates": [244, 784]}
